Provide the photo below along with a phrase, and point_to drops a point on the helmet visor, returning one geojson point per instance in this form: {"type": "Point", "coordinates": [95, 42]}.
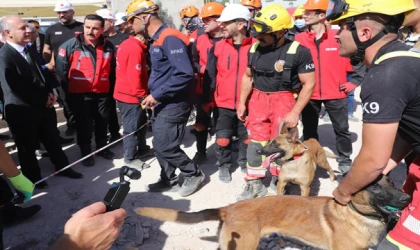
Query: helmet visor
{"type": "Point", "coordinates": [259, 26]}
{"type": "Point", "coordinates": [336, 8]}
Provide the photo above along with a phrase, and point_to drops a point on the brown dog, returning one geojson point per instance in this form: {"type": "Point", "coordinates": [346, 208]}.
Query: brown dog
{"type": "Point", "coordinates": [282, 151]}
{"type": "Point", "coordinates": [316, 221]}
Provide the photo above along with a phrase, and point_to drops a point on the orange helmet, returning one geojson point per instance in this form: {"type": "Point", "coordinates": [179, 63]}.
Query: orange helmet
{"type": "Point", "coordinates": [189, 11]}
{"type": "Point", "coordinates": [140, 6]}
{"type": "Point", "coordinates": [316, 5]}
{"type": "Point", "coordinates": [252, 3]}
{"type": "Point", "coordinates": [211, 9]}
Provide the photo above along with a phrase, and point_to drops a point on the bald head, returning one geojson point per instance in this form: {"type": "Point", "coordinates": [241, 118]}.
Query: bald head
{"type": "Point", "coordinates": [16, 30]}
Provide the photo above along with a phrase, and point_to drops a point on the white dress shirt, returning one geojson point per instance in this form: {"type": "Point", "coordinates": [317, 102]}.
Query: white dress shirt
{"type": "Point", "coordinates": [19, 49]}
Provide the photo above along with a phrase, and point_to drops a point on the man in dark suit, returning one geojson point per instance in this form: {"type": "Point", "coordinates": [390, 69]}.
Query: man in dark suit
{"type": "Point", "coordinates": [29, 102]}
{"type": "Point", "coordinates": [38, 44]}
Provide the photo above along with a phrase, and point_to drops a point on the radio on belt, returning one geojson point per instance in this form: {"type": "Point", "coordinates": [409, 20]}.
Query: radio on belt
{"type": "Point", "coordinates": [118, 191]}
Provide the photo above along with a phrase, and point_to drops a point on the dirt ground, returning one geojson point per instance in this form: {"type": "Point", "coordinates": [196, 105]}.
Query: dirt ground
{"type": "Point", "coordinates": [65, 196]}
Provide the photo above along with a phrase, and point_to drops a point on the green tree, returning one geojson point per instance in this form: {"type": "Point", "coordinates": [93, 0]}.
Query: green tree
{"type": "Point", "coordinates": [163, 14]}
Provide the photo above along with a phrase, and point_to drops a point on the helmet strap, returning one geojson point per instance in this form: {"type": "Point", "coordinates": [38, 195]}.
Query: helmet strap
{"type": "Point", "coordinates": [392, 25]}
{"type": "Point", "coordinates": [276, 40]}
{"type": "Point", "coordinates": [144, 23]}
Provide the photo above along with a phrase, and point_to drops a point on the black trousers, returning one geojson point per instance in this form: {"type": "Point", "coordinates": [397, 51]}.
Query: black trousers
{"type": "Point", "coordinates": [227, 125]}
{"type": "Point", "coordinates": [133, 117]}
{"type": "Point", "coordinates": [338, 112]}
{"type": "Point", "coordinates": [114, 125]}
{"type": "Point", "coordinates": [168, 132]}
{"type": "Point", "coordinates": [91, 111]}
{"type": "Point", "coordinates": [28, 127]}
{"type": "Point", "coordinates": [202, 121]}
{"type": "Point", "coordinates": [68, 113]}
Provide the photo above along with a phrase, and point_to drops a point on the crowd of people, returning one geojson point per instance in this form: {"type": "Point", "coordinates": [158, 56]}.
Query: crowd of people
{"type": "Point", "coordinates": [245, 68]}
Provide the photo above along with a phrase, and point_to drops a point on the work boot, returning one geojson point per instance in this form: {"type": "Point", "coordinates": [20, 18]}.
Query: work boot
{"type": "Point", "coordinates": [145, 153]}
{"type": "Point", "coordinates": [107, 154]}
{"type": "Point", "coordinates": [163, 186]}
{"type": "Point", "coordinates": [137, 164]}
{"type": "Point", "coordinates": [253, 189]}
{"type": "Point", "coordinates": [273, 183]}
{"type": "Point", "coordinates": [191, 184]}
{"type": "Point", "coordinates": [224, 174]}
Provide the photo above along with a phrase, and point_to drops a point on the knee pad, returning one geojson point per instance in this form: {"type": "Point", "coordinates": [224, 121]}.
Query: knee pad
{"type": "Point", "coordinates": [199, 127]}
{"type": "Point", "coordinates": [223, 142]}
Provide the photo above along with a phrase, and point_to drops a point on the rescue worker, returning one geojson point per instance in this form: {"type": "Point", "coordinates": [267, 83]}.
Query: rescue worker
{"type": "Point", "coordinates": [299, 25]}
{"type": "Point", "coordinates": [116, 38]}
{"type": "Point", "coordinates": [130, 88]}
{"type": "Point", "coordinates": [209, 14]}
{"type": "Point", "coordinates": [191, 21]}
{"type": "Point", "coordinates": [122, 26]}
{"type": "Point", "coordinates": [331, 81]}
{"type": "Point", "coordinates": [253, 6]}
{"type": "Point", "coordinates": [410, 35]}
{"type": "Point", "coordinates": [277, 69]}
{"type": "Point", "coordinates": [171, 87]}
{"type": "Point", "coordinates": [84, 64]}
{"type": "Point", "coordinates": [390, 99]}
{"type": "Point", "coordinates": [55, 36]}
{"type": "Point", "coordinates": [225, 66]}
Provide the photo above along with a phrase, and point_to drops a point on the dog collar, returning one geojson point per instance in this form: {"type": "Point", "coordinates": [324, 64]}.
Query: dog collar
{"type": "Point", "coordinates": [369, 216]}
{"type": "Point", "coordinates": [295, 157]}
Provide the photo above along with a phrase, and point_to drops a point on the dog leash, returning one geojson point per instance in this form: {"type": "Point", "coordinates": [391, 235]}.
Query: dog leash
{"type": "Point", "coordinates": [91, 154]}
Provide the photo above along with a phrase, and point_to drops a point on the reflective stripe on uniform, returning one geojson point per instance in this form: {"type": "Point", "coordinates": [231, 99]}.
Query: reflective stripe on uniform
{"type": "Point", "coordinates": [397, 54]}
{"type": "Point", "coordinates": [104, 79]}
{"type": "Point", "coordinates": [106, 55]}
{"type": "Point", "coordinates": [81, 78]}
{"type": "Point", "coordinates": [82, 54]}
{"type": "Point", "coordinates": [293, 48]}
{"type": "Point", "coordinates": [251, 171]}
{"type": "Point", "coordinates": [412, 224]}
{"type": "Point", "coordinates": [396, 243]}
{"type": "Point", "coordinates": [254, 47]}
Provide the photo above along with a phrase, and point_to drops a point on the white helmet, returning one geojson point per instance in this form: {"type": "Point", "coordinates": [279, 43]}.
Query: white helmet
{"type": "Point", "coordinates": [119, 16]}
{"type": "Point", "coordinates": [63, 5]}
{"type": "Point", "coordinates": [105, 14]}
{"type": "Point", "coordinates": [234, 11]}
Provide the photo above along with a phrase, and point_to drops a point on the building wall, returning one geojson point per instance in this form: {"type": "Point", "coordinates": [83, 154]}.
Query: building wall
{"type": "Point", "coordinates": [172, 6]}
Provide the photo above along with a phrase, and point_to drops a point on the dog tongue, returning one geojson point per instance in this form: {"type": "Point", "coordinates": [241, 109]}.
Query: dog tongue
{"type": "Point", "coordinates": [267, 162]}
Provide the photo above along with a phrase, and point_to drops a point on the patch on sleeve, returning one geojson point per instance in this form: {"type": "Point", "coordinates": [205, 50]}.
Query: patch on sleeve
{"type": "Point", "coordinates": [62, 52]}
{"type": "Point", "coordinates": [138, 66]}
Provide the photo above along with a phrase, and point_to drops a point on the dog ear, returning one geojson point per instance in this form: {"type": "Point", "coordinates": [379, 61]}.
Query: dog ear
{"type": "Point", "coordinates": [283, 128]}
{"type": "Point", "coordinates": [293, 134]}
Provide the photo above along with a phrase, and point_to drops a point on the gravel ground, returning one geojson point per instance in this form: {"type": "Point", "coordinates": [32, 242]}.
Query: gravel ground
{"type": "Point", "coordinates": [65, 196]}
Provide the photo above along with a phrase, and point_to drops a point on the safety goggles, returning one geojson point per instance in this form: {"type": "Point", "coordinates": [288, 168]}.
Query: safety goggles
{"type": "Point", "coordinates": [260, 27]}
{"type": "Point", "coordinates": [336, 8]}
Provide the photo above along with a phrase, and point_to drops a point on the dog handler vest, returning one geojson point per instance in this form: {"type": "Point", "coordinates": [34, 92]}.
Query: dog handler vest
{"type": "Point", "coordinates": [287, 67]}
